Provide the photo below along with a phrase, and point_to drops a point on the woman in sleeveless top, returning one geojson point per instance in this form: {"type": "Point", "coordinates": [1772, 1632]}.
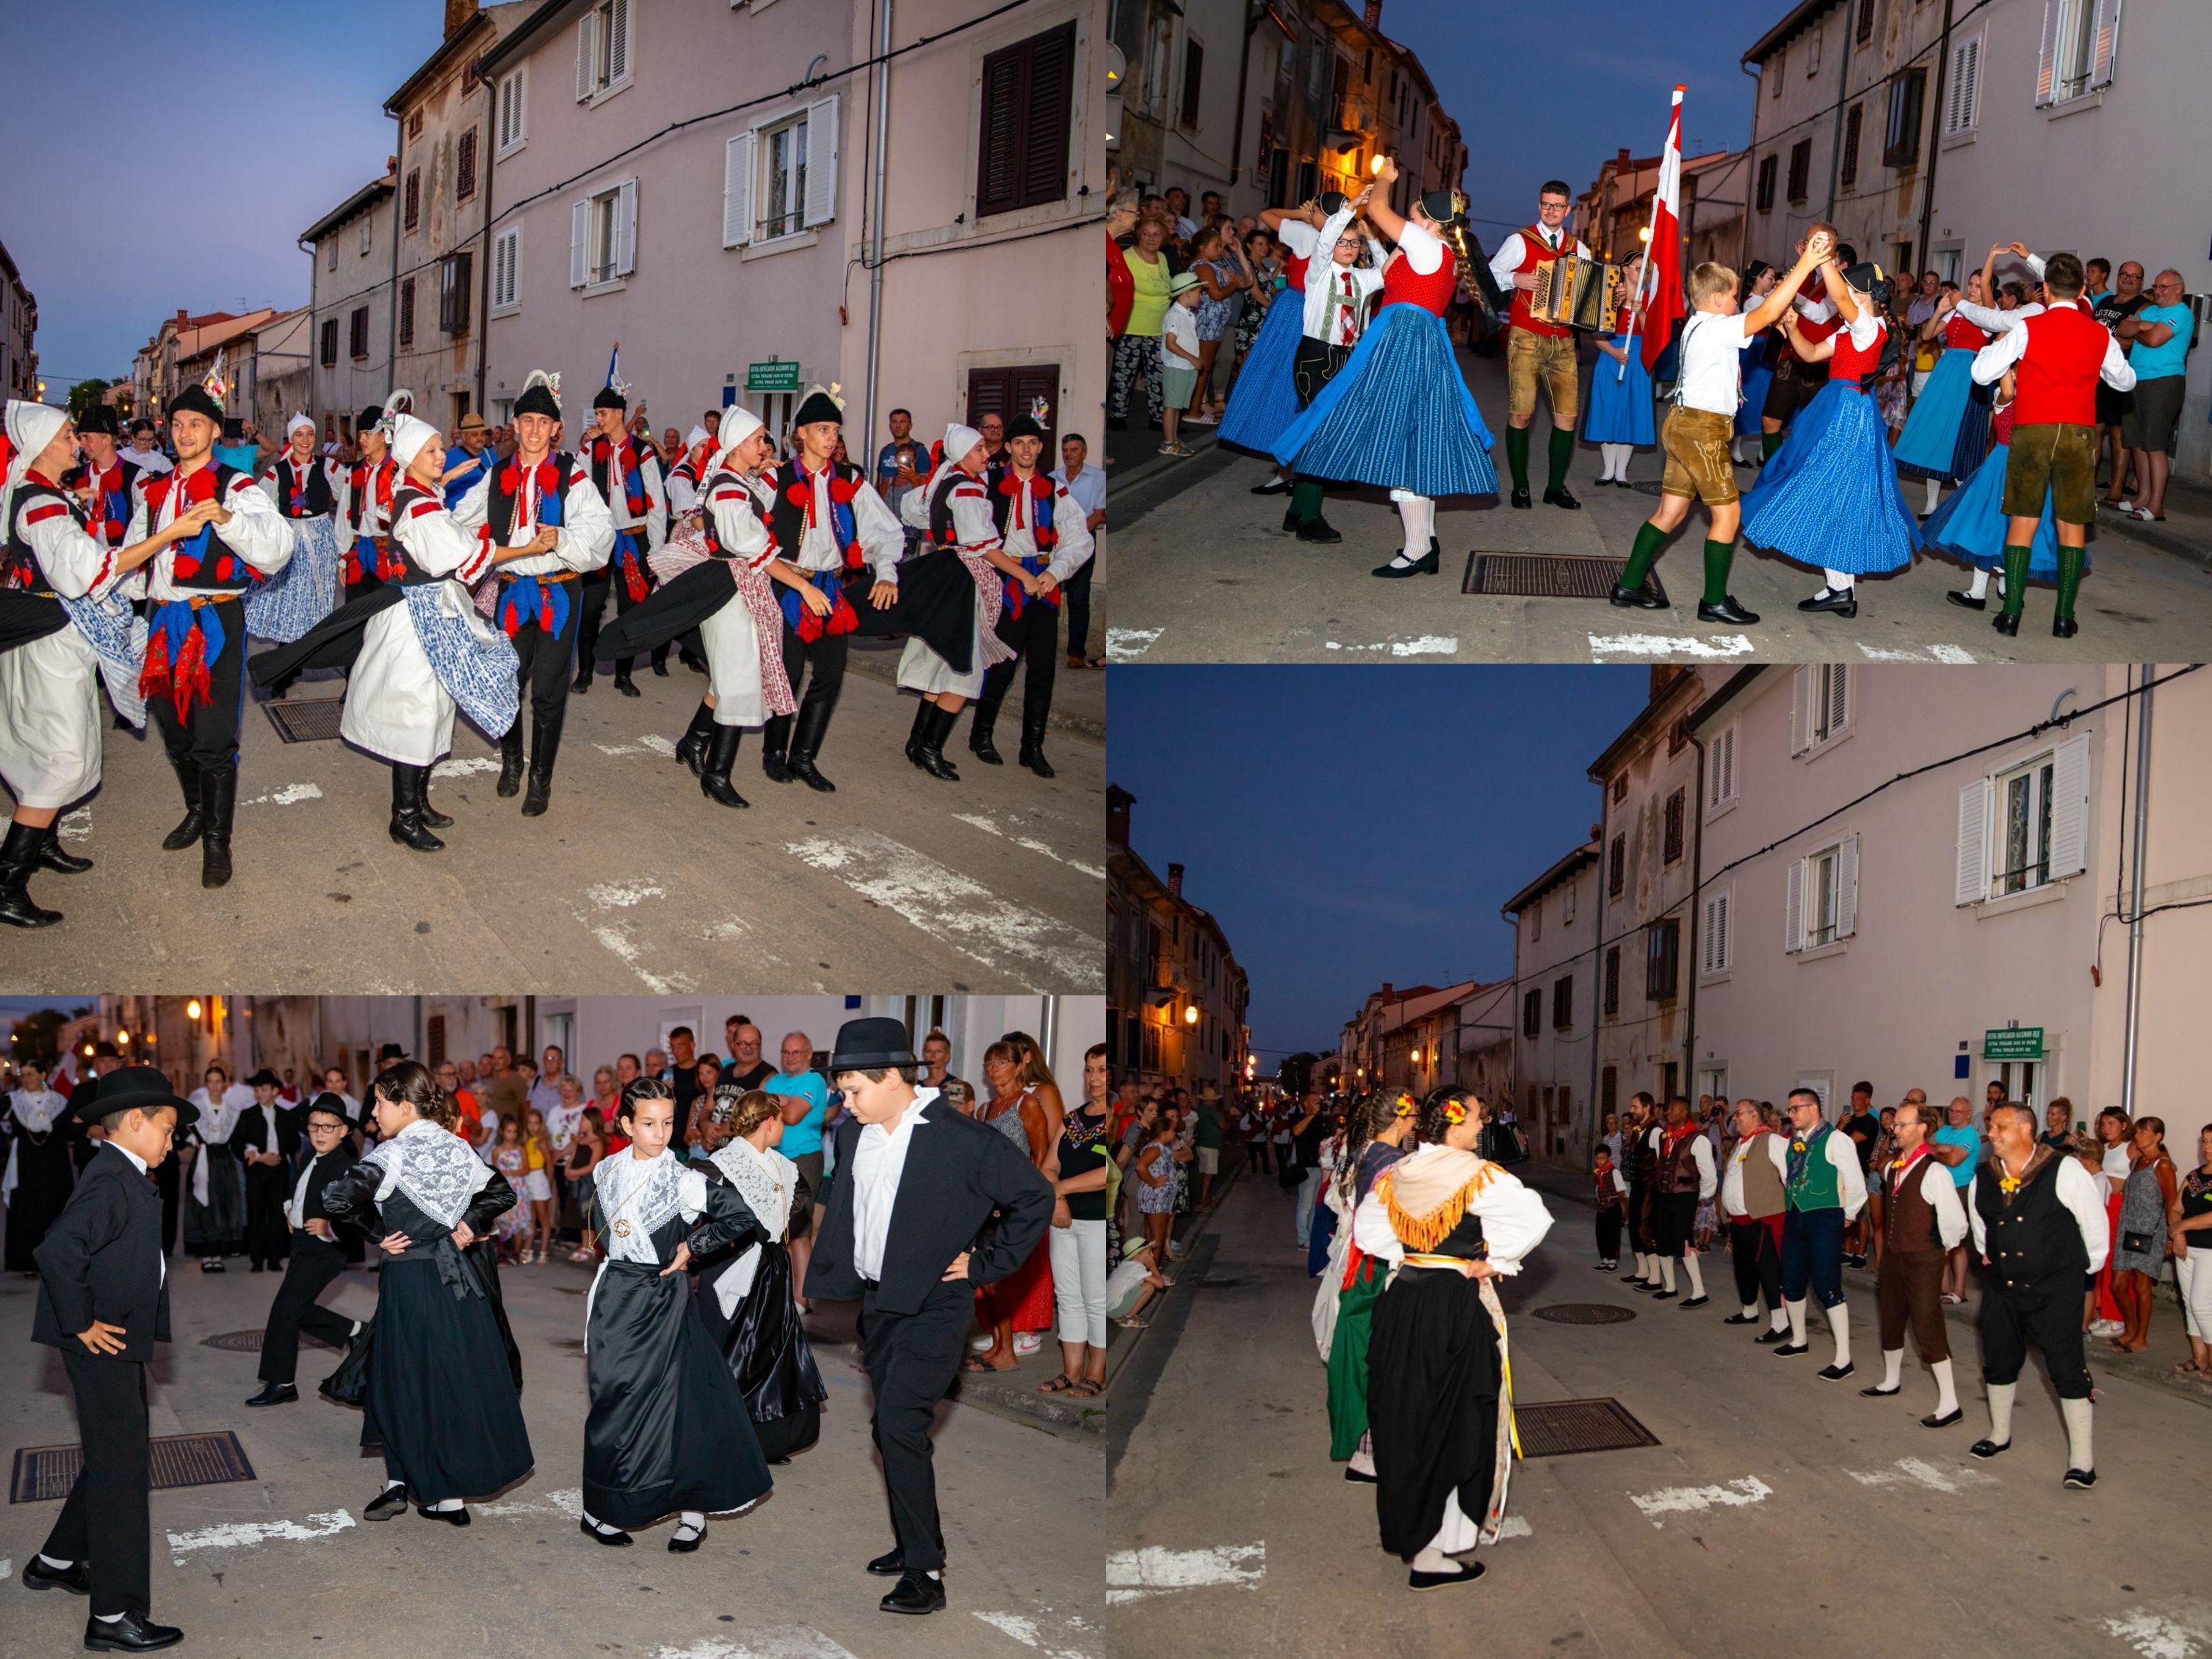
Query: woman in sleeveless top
{"type": "Point", "coordinates": [2190, 1226]}
{"type": "Point", "coordinates": [1023, 1301]}
{"type": "Point", "coordinates": [2139, 1249]}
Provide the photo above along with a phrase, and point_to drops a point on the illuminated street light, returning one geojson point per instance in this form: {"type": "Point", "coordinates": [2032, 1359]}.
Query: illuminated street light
{"type": "Point", "coordinates": [1190, 1014]}
{"type": "Point", "coordinates": [192, 1009]}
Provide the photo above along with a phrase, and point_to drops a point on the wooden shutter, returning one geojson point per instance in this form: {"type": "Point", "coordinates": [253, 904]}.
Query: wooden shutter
{"type": "Point", "coordinates": [1028, 92]}
{"type": "Point", "coordinates": [1854, 124]}
{"type": "Point", "coordinates": [1800, 709]}
{"type": "Point", "coordinates": [579, 242]}
{"type": "Point", "coordinates": [2046, 68]}
{"type": "Point", "coordinates": [587, 54]}
{"type": "Point", "coordinates": [618, 52]}
{"type": "Point", "coordinates": [2105, 43]}
{"type": "Point", "coordinates": [626, 228]}
{"type": "Point", "coordinates": [1963, 107]}
{"type": "Point", "coordinates": [330, 351]}
{"type": "Point", "coordinates": [1839, 698]}
{"type": "Point", "coordinates": [1847, 887]}
{"type": "Point", "coordinates": [1613, 981]}
{"type": "Point", "coordinates": [1793, 910]}
{"type": "Point", "coordinates": [357, 333]}
{"type": "Point", "coordinates": [1193, 75]}
{"type": "Point", "coordinates": [821, 206]}
{"type": "Point", "coordinates": [737, 191]}
{"type": "Point", "coordinates": [407, 310]}
{"type": "Point", "coordinates": [1008, 392]}
{"type": "Point", "coordinates": [1972, 884]}
{"type": "Point", "coordinates": [504, 248]}
{"type": "Point", "coordinates": [1767, 164]}
{"type": "Point", "coordinates": [2070, 808]}
{"type": "Point", "coordinates": [1801, 168]}
{"type": "Point", "coordinates": [464, 166]}
{"type": "Point", "coordinates": [1866, 21]}
{"type": "Point", "coordinates": [1720, 768]}
{"type": "Point", "coordinates": [414, 197]}
{"type": "Point", "coordinates": [453, 291]}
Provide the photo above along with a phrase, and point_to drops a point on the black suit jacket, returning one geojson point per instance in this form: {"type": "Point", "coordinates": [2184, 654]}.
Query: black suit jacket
{"type": "Point", "coordinates": [252, 1132]}
{"type": "Point", "coordinates": [102, 1259]}
{"type": "Point", "coordinates": [958, 1175]}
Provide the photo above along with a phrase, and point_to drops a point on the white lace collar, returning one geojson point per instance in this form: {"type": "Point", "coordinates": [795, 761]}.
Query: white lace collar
{"type": "Point", "coordinates": [637, 1195]}
{"type": "Point", "coordinates": [219, 1115]}
{"type": "Point", "coordinates": [35, 1108]}
{"type": "Point", "coordinates": [767, 1180]}
{"type": "Point", "coordinates": [437, 1171]}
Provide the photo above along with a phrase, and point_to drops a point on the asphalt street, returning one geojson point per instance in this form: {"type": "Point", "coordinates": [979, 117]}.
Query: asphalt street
{"type": "Point", "coordinates": [1206, 574]}
{"type": "Point", "coordinates": [1778, 1513]}
{"type": "Point", "coordinates": [282, 1564]}
{"type": "Point", "coordinates": [633, 882]}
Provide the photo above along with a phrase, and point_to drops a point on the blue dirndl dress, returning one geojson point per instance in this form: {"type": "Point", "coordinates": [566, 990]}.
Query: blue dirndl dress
{"type": "Point", "coordinates": [1948, 432]}
{"type": "Point", "coordinates": [1828, 498]}
{"type": "Point", "coordinates": [1970, 525]}
{"type": "Point", "coordinates": [1758, 374]}
{"type": "Point", "coordinates": [1263, 401]}
{"type": "Point", "coordinates": [1398, 414]}
{"type": "Point", "coordinates": [1620, 404]}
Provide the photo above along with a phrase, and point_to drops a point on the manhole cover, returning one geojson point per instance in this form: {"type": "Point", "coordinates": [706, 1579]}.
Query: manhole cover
{"type": "Point", "coordinates": [1545, 577]}
{"type": "Point", "coordinates": [312, 719]}
{"type": "Point", "coordinates": [250, 1342]}
{"type": "Point", "coordinates": [178, 1460]}
{"type": "Point", "coordinates": [1559, 1427]}
{"type": "Point", "coordinates": [1584, 1313]}
{"type": "Point", "coordinates": [1649, 487]}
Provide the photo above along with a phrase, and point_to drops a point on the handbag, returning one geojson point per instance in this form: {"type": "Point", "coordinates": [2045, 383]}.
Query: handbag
{"type": "Point", "coordinates": [2137, 1243]}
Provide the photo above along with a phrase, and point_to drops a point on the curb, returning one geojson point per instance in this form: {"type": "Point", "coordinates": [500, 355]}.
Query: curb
{"type": "Point", "coordinates": [1124, 478]}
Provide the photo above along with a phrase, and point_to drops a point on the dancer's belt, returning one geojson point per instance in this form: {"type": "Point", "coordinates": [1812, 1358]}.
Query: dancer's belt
{"type": "Point", "coordinates": [549, 576]}
{"type": "Point", "coordinates": [1458, 1264]}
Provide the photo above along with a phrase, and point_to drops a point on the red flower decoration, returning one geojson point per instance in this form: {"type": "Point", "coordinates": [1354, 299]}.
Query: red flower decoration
{"type": "Point", "coordinates": [800, 494]}
{"type": "Point", "coordinates": [510, 479]}
{"type": "Point", "coordinates": [842, 490]}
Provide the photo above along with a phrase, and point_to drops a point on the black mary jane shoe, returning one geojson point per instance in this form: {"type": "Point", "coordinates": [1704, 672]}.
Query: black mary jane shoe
{"type": "Point", "coordinates": [1519, 497]}
{"type": "Point", "coordinates": [915, 1593]}
{"type": "Point", "coordinates": [1966, 601]}
{"type": "Point", "coordinates": [679, 1545]}
{"type": "Point", "coordinates": [1466, 1573]}
{"type": "Point", "coordinates": [1562, 496]}
{"type": "Point", "coordinates": [2081, 1479]}
{"type": "Point", "coordinates": [1364, 1480]}
{"type": "Point", "coordinates": [2007, 622]}
{"type": "Point", "coordinates": [392, 1501]}
{"type": "Point", "coordinates": [75, 1578]}
{"type": "Point", "coordinates": [1843, 604]}
{"type": "Point", "coordinates": [1642, 597]}
{"type": "Point", "coordinates": [1318, 529]}
{"type": "Point", "coordinates": [1428, 564]}
{"type": "Point", "coordinates": [1986, 1450]}
{"type": "Point", "coordinates": [1878, 1392]}
{"type": "Point", "coordinates": [275, 1394]}
{"type": "Point", "coordinates": [1727, 611]}
{"type": "Point", "coordinates": [1272, 487]}
{"type": "Point", "coordinates": [891, 1564]}
{"type": "Point", "coordinates": [1932, 1421]}
{"type": "Point", "coordinates": [129, 1634]}
{"type": "Point", "coordinates": [616, 1539]}
{"type": "Point", "coordinates": [459, 1517]}
{"type": "Point", "coordinates": [2062, 628]}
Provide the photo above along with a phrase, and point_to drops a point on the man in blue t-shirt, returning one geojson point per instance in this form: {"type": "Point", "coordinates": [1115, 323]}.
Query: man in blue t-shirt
{"type": "Point", "coordinates": [806, 1115]}
{"type": "Point", "coordinates": [2158, 339]}
{"type": "Point", "coordinates": [469, 460]}
{"type": "Point", "coordinates": [1958, 1144]}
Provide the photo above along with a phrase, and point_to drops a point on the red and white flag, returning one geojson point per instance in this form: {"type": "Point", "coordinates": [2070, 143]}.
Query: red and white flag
{"type": "Point", "coordinates": [1662, 264]}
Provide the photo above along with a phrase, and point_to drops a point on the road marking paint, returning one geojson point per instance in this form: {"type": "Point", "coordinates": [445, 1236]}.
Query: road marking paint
{"type": "Point", "coordinates": [1879, 654]}
{"type": "Point", "coordinates": [1127, 644]}
{"type": "Point", "coordinates": [1034, 948]}
{"type": "Point", "coordinates": [75, 825]}
{"type": "Point", "coordinates": [247, 1535]}
{"type": "Point", "coordinates": [984, 823]}
{"type": "Point", "coordinates": [1429, 644]}
{"type": "Point", "coordinates": [289, 795]}
{"type": "Point", "coordinates": [650, 743]}
{"type": "Point", "coordinates": [1024, 1630]}
{"type": "Point", "coordinates": [2156, 1636]}
{"type": "Point", "coordinates": [1950, 653]}
{"type": "Point", "coordinates": [1132, 1575]}
{"type": "Point", "coordinates": [783, 1642]}
{"type": "Point", "coordinates": [613, 895]}
{"type": "Point", "coordinates": [1695, 1500]}
{"type": "Point", "coordinates": [1917, 1471]}
{"type": "Point", "coordinates": [467, 764]}
{"type": "Point", "coordinates": [6, 1567]}
{"type": "Point", "coordinates": [1668, 645]}
{"type": "Point", "coordinates": [1515, 1526]}
{"type": "Point", "coordinates": [568, 1501]}
{"type": "Point", "coordinates": [622, 946]}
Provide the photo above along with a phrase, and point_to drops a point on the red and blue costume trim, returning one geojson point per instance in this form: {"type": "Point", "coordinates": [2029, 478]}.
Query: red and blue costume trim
{"type": "Point", "coordinates": [183, 642]}
{"type": "Point", "coordinates": [1027, 502]}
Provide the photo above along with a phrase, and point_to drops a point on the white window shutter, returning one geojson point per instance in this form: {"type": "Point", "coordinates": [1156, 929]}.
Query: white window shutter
{"type": "Point", "coordinates": [618, 52]}
{"type": "Point", "coordinates": [587, 54]}
{"type": "Point", "coordinates": [821, 162]}
{"type": "Point", "coordinates": [1973, 870]}
{"type": "Point", "coordinates": [2047, 62]}
{"type": "Point", "coordinates": [521, 104]}
{"type": "Point", "coordinates": [579, 243]}
{"type": "Point", "coordinates": [1723, 922]}
{"type": "Point", "coordinates": [1793, 913]}
{"type": "Point", "coordinates": [2070, 808]}
{"type": "Point", "coordinates": [737, 191]}
{"type": "Point", "coordinates": [1839, 698]}
{"type": "Point", "coordinates": [626, 228]}
{"type": "Point", "coordinates": [1801, 708]}
{"type": "Point", "coordinates": [2105, 44]}
{"type": "Point", "coordinates": [1847, 887]}
{"type": "Point", "coordinates": [1965, 85]}
{"type": "Point", "coordinates": [506, 124]}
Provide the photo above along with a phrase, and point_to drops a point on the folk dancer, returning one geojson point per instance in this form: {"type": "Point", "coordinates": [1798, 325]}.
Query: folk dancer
{"type": "Point", "coordinates": [311, 495]}
{"type": "Point", "coordinates": [1970, 525]}
{"type": "Point", "coordinates": [1264, 396]}
{"type": "Point", "coordinates": [1332, 304]}
{"type": "Point", "coordinates": [1796, 378]}
{"type": "Point", "coordinates": [367, 509]}
{"type": "Point", "coordinates": [215, 1204]}
{"type": "Point", "coordinates": [36, 1186]}
{"type": "Point", "coordinates": [1539, 352]}
{"type": "Point", "coordinates": [1825, 1189]}
{"type": "Point", "coordinates": [318, 1256]}
{"type": "Point", "coordinates": [1925, 1220]}
{"type": "Point", "coordinates": [266, 1139]}
{"type": "Point", "coordinates": [1618, 418]}
{"type": "Point", "coordinates": [1686, 1179]}
{"type": "Point", "coordinates": [1642, 1171]}
{"type": "Point", "coordinates": [627, 477]}
{"type": "Point", "coordinates": [1754, 1199]}
{"type": "Point", "coordinates": [1948, 432]}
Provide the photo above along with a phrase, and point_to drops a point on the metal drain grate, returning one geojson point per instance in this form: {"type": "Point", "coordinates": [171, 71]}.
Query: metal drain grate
{"type": "Point", "coordinates": [1649, 487]}
{"type": "Point", "coordinates": [1560, 1427]}
{"type": "Point", "coordinates": [1545, 577]}
{"type": "Point", "coordinates": [44, 1473]}
{"type": "Point", "coordinates": [1584, 1313]}
{"type": "Point", "coordinates": [312, 719]}
{"type": "Point", "coordinates": [250, 1342]}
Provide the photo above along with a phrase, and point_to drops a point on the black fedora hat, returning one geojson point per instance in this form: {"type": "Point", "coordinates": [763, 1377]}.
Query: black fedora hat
{"type": "Point", "coordinates": [265, 1075]}
{"type": "Point", "coordinates": [330, 1105]}
{"type": "Point", "coordinates": [124, 1087]}
{"type": "Point", "coordinates": [869, 1045]}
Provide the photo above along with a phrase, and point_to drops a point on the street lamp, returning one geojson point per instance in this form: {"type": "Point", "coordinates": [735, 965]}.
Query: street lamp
{"type": "Point", "coordinates": [1190, 1013]}
{"type": "Point", "coordinates": [192, 1009]}
{"type": "Point", "coordinates": [123, 1039]}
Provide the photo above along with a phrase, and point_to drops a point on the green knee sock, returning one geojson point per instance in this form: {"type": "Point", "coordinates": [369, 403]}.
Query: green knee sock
{"type": "Point", "coordinates": [1645, 554]}
{"type": "Point", "coordinates": [1768, 443]}
{"type": "Point", "coordinates": [1563, 451]}
{"type": "Point", "coordinates": [2015, 574]}
{"type": "Point", "coordinates": [1517, 454]}
{"type": "Point", "coordinates": [2070, 561]}
{"type": "Point", "coordinates": [1719, 555]}
{"type": "Point", "coordinates": [1305, 500]}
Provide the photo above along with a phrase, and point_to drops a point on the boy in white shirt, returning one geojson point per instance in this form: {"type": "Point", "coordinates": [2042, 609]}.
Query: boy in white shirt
{"type": "Point", "coordinates": [1179, 356]}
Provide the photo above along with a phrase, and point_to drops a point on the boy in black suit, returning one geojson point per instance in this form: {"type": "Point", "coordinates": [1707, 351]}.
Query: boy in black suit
{"type": "Point", "coordinates": [317, 1257]}
{"type": "Point", "coordinates": [266, 1138]}
{"type": "Point", "coordinates": [104, 1302]}
{"type": "Point", "coordinates": [915, 1187]}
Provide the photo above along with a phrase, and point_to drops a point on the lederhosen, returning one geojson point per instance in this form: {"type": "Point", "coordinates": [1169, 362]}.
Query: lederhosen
{"type": "Point", "coordinates": [2032, 1290]}
{"type": "Point", "coordinates": [1315, 363]}
{"type": "Point", "coordinates": [1910, 1286]}
{"type": "Point", "coordinates": [1027, 621]}
{"type": "Point", "coordinates": [539, 614]}
{"type": "Point", "coordinates": [609, 575]}
{"type": "Point", "coordinates": [199, 639]}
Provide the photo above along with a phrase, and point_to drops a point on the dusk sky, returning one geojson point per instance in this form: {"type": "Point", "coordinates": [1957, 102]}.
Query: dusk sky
{"type": "Point", "coordinates": [1348, 825]}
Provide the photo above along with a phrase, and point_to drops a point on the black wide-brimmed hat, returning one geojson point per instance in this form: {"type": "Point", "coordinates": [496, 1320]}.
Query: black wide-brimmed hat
{"type": "Point", "coordinates": [869, 1045]}
{"type": "Point", "coordinates": [329, 1105]}
{"type": "Point", "coordinates": [194, 400]}
{"type": "Point", "coordinates": [818, 406]}
{"type": "Point", "coordinates": [126, 1086]}
{"type": "Point", "coordinates": [390, 1051]}
{"type": "Point", "coordinates": [265, 1075]}
{"type": "Point", "coordinates": [100, 417]}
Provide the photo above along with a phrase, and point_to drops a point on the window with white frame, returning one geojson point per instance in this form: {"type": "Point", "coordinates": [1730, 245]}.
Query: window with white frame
{"type": "Point", "coordinates": [506, 268]}
{"type": "Point", "coordinates": [603, 50]}
{"type": "Point", "coordinates": [1820, 705]}
{"type": "Point", "coordinates": [603, 236]}
{"type": "Point", "coordinates": [1962, 100]}
{"type": "Point", "coordinates": [783, 179]}
{"type": "Point", "coordinates": [1823, 903]}
{"type": "Point", "coordinates": [2080, 39]}
{"type": "Point", "coordinates": [1717, 932]}
{"type": "Point", "coordinates": [1720, 771]}
{"type": "Point", "coordinates": [510, 125]}
{"type": "Point", "coordinates": [2025, 826]}
{"type": "Point", "coordinates": [780, 177]}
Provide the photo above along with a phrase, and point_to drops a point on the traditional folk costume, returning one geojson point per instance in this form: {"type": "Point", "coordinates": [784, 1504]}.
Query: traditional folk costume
{"type": "Point", "coordinates": [194, 680]}
{"type": "Point", "coordinates": [1538, 353]}
{"type": "Point", "coordinates": [539, 601]}
{"type": "Point", "coordinates": [1753, 1199]}
{"type": "Point", "coordinates": [102, 1261]}
{"type": "Point", "coordinates": [2058, 356]}
{"type": "Point", "coordinates": [1353, 1291]}
{"type": "Point", "coordinates": [1972, 525]}
{"type": "Point", "coordinates": [1921, 1220]}
{"type": "Point", "coordinates": [1796, 382]}
{"type": "Point", "coordinates": [65, 626]}
{"type": "Point", "coordinates": [1610, 1194]}
{"type": "Point", "coordinates": [312, 496]}
{"type": "Point", "coordinates": [1948, 432]}
{"type": "Point", "coordinates": [439, 1397]}
{"type": "Point", "coordinates": [1686, 1179]}
{"type": "Point", "coordinates": [1644, 1169]}
{"type": "Point", "coordinates": [314, 1263]}
{"type": "Point", "coordinates": [1043, 529]}
{"type": "Point", "coordinates": [1755, 364]}
{"type": "Point", "coordinates": [1618, 419]}
{"type": "Point", "coordinates": [1829, 497]}
{"type": "Point", "coordinates": [629, 480]}
{"type": "Point", "coordinates": [1825, 1189]}
{"type": "Point", "coordinates": [1399, 414]}
{"type": "Point", "coordinates": [1265, 397]}
{"type": "Point", "coordinates": [2041, 1230]}
{"type": "Point", "coordinates": [39, 1175]}
{"type": "Point", "coordinates": [667, 1431]}
{"type": "Point", "coordinates": [366, 516]}
{"type": "Point", "coordinates": [1332, 317]}
{"type": "Point", "coordinates": [1439, 1391]}
{"type": "Point", "coordinates": [109, 494]}
{"type": "Point", "coordinates": [262, 1129]}
{"type": "Point", "coordinates": [686, 480]}
{"type": "Point", "coordinates": [956, 510]}
{"type": "Point", "coordinates": [750, 1307]}
{"type": "Point", "coordinates": [215, 1209]}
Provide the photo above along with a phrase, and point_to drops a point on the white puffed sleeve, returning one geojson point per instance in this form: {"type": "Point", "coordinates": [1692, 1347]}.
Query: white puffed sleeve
{"type": "Point", "coordinates": [435, 541]}
{"type": "Point", "coordinates": [882, 540]}
{"type": "Point", "coordinates": [1514, 1219]}
{"type": "Point", "coordinates": [1371, 1230]}
{"type": "Point", "coordinates": [257, 532]}
{"type": "Point", "coordinates": [1073, 544]}
{"type": "Point", "coordinates": [71, 556]}
{"type": "Point", "coordinates": [588, 530]}
{"type": "Point", "coordinates": [739, 525]}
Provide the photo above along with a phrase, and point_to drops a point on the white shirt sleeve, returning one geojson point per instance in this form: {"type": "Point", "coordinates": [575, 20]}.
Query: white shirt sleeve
{"type": "Point", "coordinates": [1423, 250]}
{"type": "Point", "coordinates": [1731, 1200]}
{"type": "Point", "coordinates": [882, 540]}
{"type": "Point", "coordinates": [1942, 1195]}
{"type": "Point", "coordinates": [1619, 1180]}
{"type": "Point", "coordinates": [1989, 318]}
{"type": "Point", "coordinates": [2077, 1191]}
{"type": "Point", "coordinates": [474, 503]}
{"type": "Point", "coordinates": [1072, 542]}
{"type": "Point", "coordinates": [971, 516]}
{"type": "Point", "coordinates": [682, 495]}
{"type": "Point", "coordinates": [739, 525]}
{"type": "Point", "coordinates": [1813, 311]}
{"type": "Point", "coordinates": [435, 541]}
{"type": "Point", "coordinates": [257, 532]}
{"type": "Point", "coordinates": [1701, 1153]}
{"type": "Point", "coordinates": [1323, 262]}
{"type": "Point", "coordinates": [1373, 1232]}
{"type": "Point", "coordinates": [1506, 262]}
{"type": "Point", "coordinates": [1974, 1215]}
{"type": "Point", "coordinates": [587, 529]}
{"type": "Point", "coordinates": [1849, 1180]}
{"type": "Point", "coordinates": [1864, 329]}
{"type": "Point", "coordinates": [71, 556]}
{"type": "Point", "coordinates": [1298, 236]}
{"type": "Point", "coordinates": [656, 503]}
{"type": "Point", "coordinates": [2117, 371]}
{"type": "Point", "coordinates": [1992, 361]}
{"type": "Point", "coordinates": [1514, 1219]}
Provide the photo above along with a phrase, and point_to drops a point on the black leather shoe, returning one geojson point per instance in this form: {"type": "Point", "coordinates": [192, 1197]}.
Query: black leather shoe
{"type": "Point", "coordinates": [275, 1394]}
{"type": "Point", "coordinates": [1834, 1373]}
{"type": "Point", "coordinates": [1844, 603]}
{"type": "Point", "coordinates": [218, 803]}
{"type": "Point", "coordinates": [52, 857]}
{"type": "Point", "coordinates": [915, 1592]}
{"type": "Point", "coordinates": [1364, 1480]}
{"type": "Point", "coordinates": [188, 829]}
{"type": "Point", "coordinates": [2007, 622]}
{"type": "Point", "coordinates": [392, 1501]}
{"type": "Point", "coordinates": [714, 771]}
{"type": "Point", "coordinates": [1695, 1302]}
{"type": "Point", "coordinates": [1791, 1349]}
{"type": "Point", "coordinates": [1741, 1319]}
{"type": "Point", "coordinates": [802, 768]}
{"type": "Point", "coordinates": [1521, 497]}
{"type": "Point", "coordinates": [1966, 601]}
{"type": "Point", "coordinates": [1769, 1337]}
{"type": "Point", "coordinates": [128, 1634]}
{"type": "Point", "coordinates": [582, 683]}
{"type": "Point", "coordinates": [1727, 611]}
{"type": "Point", "coordinates": [1318, 529]}
{"type": "Point", "coordinates": [1641, 597]}
{"type": "Point", "coordinates": [510, 760]}
{"type": "Point", "coordinates": [613, 1540]}
{"type": "Point", "coordinates": [660, 670]}
{"type": "Point", "coordinates": [1878, 1392]}
{"type": "Point", "coordinates": [679, 1545]}
{"type": "Point", "coordinates": [1428, 565]}
{"type": "Point", "coordinates": [75, 1578]}
{"type": "Point", "coordinates": [1932, 1421]}
{"type": "Point", "coordinates": [2081, 1479]}
{"type": "Point", "coordinates": [1466, 1573]}
{"type": "Point", "coordinates": [627, 687]}
{"type": "Point", "coordinates": [1662, 1296]}
{"type": "Point", "coordinates": [1289, 521]}
{"type": "Point", "coordinates": [1272, 487]}
{"type": "Point", "coordinates": [432, 817]}
{"type": "Point", "coordinates": [459, 1517]}
{"type": "Point", "coordinates": [2062, 628]}
{"type": "Point", "coordinates": [692, 660]}
{"type": "Point", "coordinates": [982, 729]}
{"type": "Point", "coordinates": [1986, 1450]}
{"type": "Point", "coordinates": [1560, 496]}
{"type": "Point", "coordinates": [891, 1564]}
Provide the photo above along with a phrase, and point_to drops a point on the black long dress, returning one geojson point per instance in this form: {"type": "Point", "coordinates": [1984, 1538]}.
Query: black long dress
{"type": "Point", "coordinates": [44, 1175]}
{"type": "Point", "coordinates": [667, 1430]}
{"type": "Point", "coordinates": [763, 1340]}
{"type": "Point", "coordinates": [214, 1228]}
{"type": "Point", "coordinates": [437, 1399]}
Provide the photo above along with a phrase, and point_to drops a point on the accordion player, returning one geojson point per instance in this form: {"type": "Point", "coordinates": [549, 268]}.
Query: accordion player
{"type": "Point", "coordinates": [1576, 293]}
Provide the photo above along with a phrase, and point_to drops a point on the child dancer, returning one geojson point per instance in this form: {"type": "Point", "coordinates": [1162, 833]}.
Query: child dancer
{"type": "Point", "coordinates": [1971, 526]}
{"type": "Point", "coordinates": [1618, 419]}
{"type": "Point", "coordinates": [1948, 432]}
{"type": "Point", "coordinates": [1331, 316]}
{"type": "Point", "coordinates": [1759, 279]}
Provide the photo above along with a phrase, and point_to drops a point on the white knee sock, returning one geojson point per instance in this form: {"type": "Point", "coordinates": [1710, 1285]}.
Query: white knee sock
{"type": "Point", "coordinates": [1947, 1393]}
{"type": "Point", "coordinates": [1981, 585]}
{"type": "Point", "coordinates": [2080, 1454]}
{"type": "Point", "coordinates": [1666, 1273]}
{"type": "Point", "coordinates": [1839, 1322]}
{"type": "Point", "coordinates": [1751, 1310]}
{"type": "Point", "coordinates": [1893, 1368]}
{"type": "Point", "coordinates": [1642, 1265]}
{"type": "Point", "coordinates": [394, 1485]}
{"type": "Point", "coordinates": [2001, 1396]}
{"type": "Point", "coordinates": [1934, 494]}
{"type": "Point", "coordinates": [1778, 1318]}
{"type": "Point", "coordinates": [444, 1506]}
{"type": "Point", "coordinates": [1839, 581]}
{"type": "Point", "coordinates": [58, 1566]}
{"type": "Point", "coordinates": [1697, 1279]}
{"type": "Point", "coordinates": [1419, 514]}
{"type": "Point", "coordinates": [1363, 1456]}
{"type": "Point", "coordinates": [694, 1519]}
{"type": "Point", "coordinates": [1796, 1323]}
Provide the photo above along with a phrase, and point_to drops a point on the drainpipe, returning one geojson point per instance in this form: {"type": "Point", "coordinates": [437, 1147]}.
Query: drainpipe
{"type": "Point", "coordinates": [1843, 93]}
{"type": "Point", "coordinates": [1695, 829]}
{"type": "Point", "coordinates": [877, 164]}
{"type": "Point", "coordinates": [1048, 1019]}
{"type": "Point", "coordinates": [391, 296]}
{"type": "Point", "coordinates": [484, 236]}
{"type": "Point", "coordinates": [1597, 959]}
{"type": "Point", "coordinates": [1751, 162]}
{"type": "Point", "coordinates": [2144, 674]}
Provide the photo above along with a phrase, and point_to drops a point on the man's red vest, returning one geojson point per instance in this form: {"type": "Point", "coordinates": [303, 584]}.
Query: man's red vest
{"type": "Point", "coordinates": [2058, 372]}
{"type": "Point", "coordinates": [1534, 253]}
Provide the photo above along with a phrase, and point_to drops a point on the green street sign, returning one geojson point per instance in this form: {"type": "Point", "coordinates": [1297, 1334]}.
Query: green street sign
{"type": "Point", "coordinates": [2015, 1042]}
{"type": "Point", "coordinates": [771, 377]}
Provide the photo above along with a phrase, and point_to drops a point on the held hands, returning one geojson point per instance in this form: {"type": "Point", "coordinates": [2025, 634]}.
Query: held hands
{"type": "Point", "coordinates": [1818, 248]}
{"type": "Point", "coordinates": [682, 1260]}
{"type": "Point", "coordinates": [103, 1338]}
{"type": "Point", "coordinates": [959, 1269]}
{"type": "Point", "coordinates": [1047, 585]}
{"type": "Point", "coordinates": [883, 596]}
{"type": "Point", "coordinates": [545, 541]}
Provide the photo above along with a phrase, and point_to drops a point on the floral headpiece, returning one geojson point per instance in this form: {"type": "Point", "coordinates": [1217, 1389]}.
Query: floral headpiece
{"type": "Point", "coordinates": [1406, 1107]}
{"type": "Point", "coordinates": [1455, 1112]}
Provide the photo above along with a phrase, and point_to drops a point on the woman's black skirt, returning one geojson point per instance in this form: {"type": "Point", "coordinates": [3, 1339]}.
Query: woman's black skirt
{"type": "Point", "coordinates": [766, 1348]}
{"type": "Point", "coordinates": [440, 1400]}
{"type": "Point", "coordinates": [44, 1181]}
{"type": "Point", "coordinates": [668, 1429]}
{"type": "Point", "coordinates": [1432, 1387]}
{"type": "Point", "coordinates": [218, 1226]}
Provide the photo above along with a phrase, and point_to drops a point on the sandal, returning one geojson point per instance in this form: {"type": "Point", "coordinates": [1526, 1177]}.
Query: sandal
{"type": "Point", "coordinates": [1134, 1324]}
{"type": "Point", "coordinates": [2188, 1368]}
{"type": "Point", "coordinates": [1087, 1390]}
{"type": "Point", "coordinates": [1060, 1384]}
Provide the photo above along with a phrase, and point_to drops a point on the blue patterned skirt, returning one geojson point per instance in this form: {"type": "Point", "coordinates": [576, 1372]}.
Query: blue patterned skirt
{"type": "Point", "coordinates": [1948, 432]}
{"type": "Point", "coordinates": [1757, 378]}
{"type": "Point", "coordinates": [1398, 414]}
{"type": "Point", "coordinates": [1970, 524]}
{"type": "Point", "coordinates": [474, 661]}
{"type": "Point", "coordinates": [1619, 410]}
{"type": "Point", "coordinates": [304, 591]}
{"type": "Point", "coordinates": [1263, 401]}
{"type": "Point", "coordinates": [117, 633]}
{"type": "Point", "coordinates": [1829, 497]}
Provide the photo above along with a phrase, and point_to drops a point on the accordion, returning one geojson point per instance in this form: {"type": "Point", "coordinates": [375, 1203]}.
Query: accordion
{"type": "Point", "coordinates": [1576, 293]}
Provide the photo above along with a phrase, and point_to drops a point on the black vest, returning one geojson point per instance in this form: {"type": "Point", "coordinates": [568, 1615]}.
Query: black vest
{"type": "Point", "coordinates": [241, 576]}
{"type": "Point", "coordinates": [499, 508]}
{"type": "Point", "coordinates": [364, 497]}
{"type": "Point", "coordinates": [787, 520]}
{"type": "Point", "coordinates": [318, 497]}
{"type": "Point", "coordinates": [942, 530]}
{"type": "Point", "coordinates": [404, 500]}
{"type": "Point", "coordinates": [720, 474]}
{"type": "Point", "coordinates": [20, 569]}
{"type": "Point", "coordinates": [2030, 1237]}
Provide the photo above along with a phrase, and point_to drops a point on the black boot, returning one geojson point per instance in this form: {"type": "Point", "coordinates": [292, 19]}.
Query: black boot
{"type": "Point", "coordinates": [408, 786]}
{"type": "Point", "coordinates": [1036, 715]}
{"type": "Point", "coordinates": [432, 817]}
{"type": "Point", "coordinates": [691, 748]}
{"type": "Point", "coordinates": [775, 739]}
{"type": "Point", "coordinates": [692, 660]}
{"type": "Point", "coordinates": [218, 801]}
{"type": "Point", "coordinates": [928, 753]}
{"type": "Point", "coordinates": [979, 731]}
{"type": "Point", "coordinates": [714, 771]}
{"type": "Point", "coordinates": [52, 857]}
{"type": "Point", "coordinates": [624, 683]}
{"type": "Point", "coordinates": [660, 662]}
{"type": "Point", "coordinates": [546, 747]}
{"type": "Point", "coordinates": [919, 732]}
{"type": "Point", "coordinates": [510, 757]}
{"type": "Point", "coordinates": [806, 733]}
{"type": "Point", "coordinates": [188, 830]}
{"type": "Point", "coordinates": [19, 856]}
